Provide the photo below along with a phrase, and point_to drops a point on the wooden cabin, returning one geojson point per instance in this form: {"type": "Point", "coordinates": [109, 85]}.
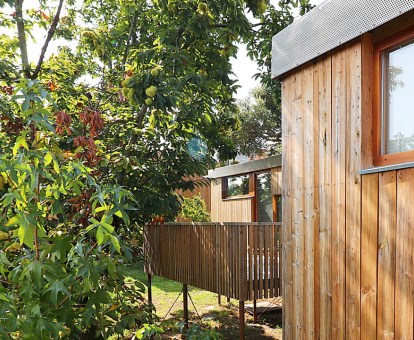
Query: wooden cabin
{"type": "Point", "coordinates": [247, 192]}
{"type": "Point", "coordinates": [347, 73]}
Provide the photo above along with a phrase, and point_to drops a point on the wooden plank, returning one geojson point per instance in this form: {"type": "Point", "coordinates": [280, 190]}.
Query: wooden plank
{"type": "Point", "coordinates": [323, 200]}
{"type": "Point", "coordinates": [308, 208]}
{"type": "Point", "coordinates": [266, 240]}
{"type": "Point", "coordinates": [287, 214]}
{"type": "Point", "coordinates": [369, 241]}
{"type": "Point", "coordinates": [387, 221]}
{"type": "Point", "coordinates": [297, 210]}
{"type": "Point", "coordinates": [353, 192]}
{"type": "Point", "coordinates": [367, 62]}
{"type": "Point", "coordinates": [243, 263]}
{"type": "Point", "coordinates": [260, 255]}
{"type": "Point", "coordinates": [404, 289]}
{"type": "Point", "coordinates": [272, 261]}
{"type": "Point", "coordinates": [276, 181]}
{"type": "Point", "coordinates": [339, 114]}
{"type": "Point", "coordinates": [251, 250]}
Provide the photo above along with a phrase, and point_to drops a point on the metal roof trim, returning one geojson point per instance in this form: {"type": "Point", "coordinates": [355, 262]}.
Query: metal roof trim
{"type": "Point", "coordinates": [246, 167]}
{"type": "Point", "coordinates": [329, 25]}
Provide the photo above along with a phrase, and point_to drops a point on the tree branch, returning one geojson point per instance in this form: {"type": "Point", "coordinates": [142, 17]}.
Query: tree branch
{"type": "Point", "coordinates": [22, 37]}
{"type": "Point", "coordinates": [49, 37]}
{"type": "Point", "coordinates": [131, 32]}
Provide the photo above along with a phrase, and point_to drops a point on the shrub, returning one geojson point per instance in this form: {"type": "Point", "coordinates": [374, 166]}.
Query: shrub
{"type": "Point", "coordinates": [195, 210]}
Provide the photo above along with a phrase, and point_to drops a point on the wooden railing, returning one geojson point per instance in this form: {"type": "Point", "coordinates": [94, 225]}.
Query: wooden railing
{"type": "Point", "coordinates": [237, 260]}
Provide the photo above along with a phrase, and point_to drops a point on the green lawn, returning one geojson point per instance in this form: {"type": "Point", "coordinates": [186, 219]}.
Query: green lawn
{"type": "Point", "coordinates": [224, 317]}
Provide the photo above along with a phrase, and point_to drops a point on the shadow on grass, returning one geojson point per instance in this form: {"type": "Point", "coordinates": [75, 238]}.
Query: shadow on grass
{"type": "Point", "coordinates": [226, 321]}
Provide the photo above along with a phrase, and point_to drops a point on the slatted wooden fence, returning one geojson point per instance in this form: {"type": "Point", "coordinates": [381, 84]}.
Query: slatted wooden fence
{"type": "Point", "coordinates": [237, 260]}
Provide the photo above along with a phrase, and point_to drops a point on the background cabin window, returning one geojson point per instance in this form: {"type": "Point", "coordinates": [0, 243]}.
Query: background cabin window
{"type": "Point", "coordinates": [264, 198]}
{"type": "Point", "coordinates": [236, 186]}
{"type": "Point", "coordinates": [398, 99]}
{"type": "Point", "coordinates": [278, 208]}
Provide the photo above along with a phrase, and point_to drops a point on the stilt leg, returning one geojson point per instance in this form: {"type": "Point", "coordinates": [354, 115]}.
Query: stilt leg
{"type": "Point", "coordinates": [219, 299]}
{"type": "Point", "coordinates": [185, 302]}
{"type": "Point", "coordinates": [255, 318]}
{"type": "Point", "coordinates": [241, 319]}
{"type": "Point", "coordinates": [149, 289]}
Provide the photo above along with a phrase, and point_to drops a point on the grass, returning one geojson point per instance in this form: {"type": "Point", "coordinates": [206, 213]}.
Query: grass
{"type": "Point", "coordinates": [224, 318]}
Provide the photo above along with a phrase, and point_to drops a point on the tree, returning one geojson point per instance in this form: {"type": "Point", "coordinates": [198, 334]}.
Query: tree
{"type": "Point", "coordinates": [260, 123]}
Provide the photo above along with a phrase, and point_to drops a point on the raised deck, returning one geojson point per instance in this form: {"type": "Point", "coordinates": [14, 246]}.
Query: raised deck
{"type": "Point", "coordinates": [237, 260]}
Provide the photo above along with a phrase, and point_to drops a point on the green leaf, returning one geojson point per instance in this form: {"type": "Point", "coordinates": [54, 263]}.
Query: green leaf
{"type": "Point", "coordinates": [56, 166]}
{"type": "Point", "coordinates": [55, 287]}
{"type": "Point", "coordinates": [13, 221]}
{"type": "Point", "coordinates": [100, 235]}
{"type": "Point", "coordinates": [115, 243]}
{"type": "Point", "coordinates": [48, 158]}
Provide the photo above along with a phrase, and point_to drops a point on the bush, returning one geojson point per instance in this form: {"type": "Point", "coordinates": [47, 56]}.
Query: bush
{"type": "Point", "coordinates": [195, 210]}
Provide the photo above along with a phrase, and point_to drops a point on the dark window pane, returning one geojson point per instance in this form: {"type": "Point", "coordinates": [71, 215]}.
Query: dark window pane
{"type": "Point", "coordinates": [279, 208]}
{"type": "Point", "coordinates": [264, 198]}
{"type": "Point", "coordinates": [237, 185]}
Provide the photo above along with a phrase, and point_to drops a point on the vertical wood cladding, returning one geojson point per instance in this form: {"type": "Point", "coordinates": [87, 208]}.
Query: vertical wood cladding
{"type": "Point", "coordinates": [348, 244]}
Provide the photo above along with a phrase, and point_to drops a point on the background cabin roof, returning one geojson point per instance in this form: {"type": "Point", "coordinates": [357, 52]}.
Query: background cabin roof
{"type": "Point", "coordinates": [246, 167]}
{"type": "Point", "coordinates": [329, 25]}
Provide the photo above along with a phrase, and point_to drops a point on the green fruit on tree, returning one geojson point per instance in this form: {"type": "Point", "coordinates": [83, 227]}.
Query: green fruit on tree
{"type": "Point", "coordinates": [202, 8]}
{"type": "Point", "coordinates": [261, 7]}
{"type": "Point", "coordinates": [154, 72]}
{"type": "Point", "coordinates": [125, 91]}
{"type": "Point", "coordinates": [151, 91]}
{"type": "Point", "coordinates": [89, 34]}
{"type": "Point", "coordinates": [125, 82]}
{"type": "Point", "coordinates": [99, 51]}
{"type": "Point", "coordinates": [148, 101]}
{"type": "Point", "coordinates": [130, 94]}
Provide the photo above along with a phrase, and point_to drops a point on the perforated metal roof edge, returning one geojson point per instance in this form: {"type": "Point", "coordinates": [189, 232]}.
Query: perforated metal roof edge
{"type": "Point", "coordinates": [329, 25]}
{"type": "Point", "coordinates": [246, 167]}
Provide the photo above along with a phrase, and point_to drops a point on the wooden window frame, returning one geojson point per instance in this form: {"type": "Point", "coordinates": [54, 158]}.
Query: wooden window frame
{"type": "Point", "coordinates": [378, 129]}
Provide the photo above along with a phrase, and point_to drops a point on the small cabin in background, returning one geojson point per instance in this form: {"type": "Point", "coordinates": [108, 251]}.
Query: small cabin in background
{"type": "Point", "coordinates": [247, 192]}
{"type": "Point", "coordinates": [347, 72]}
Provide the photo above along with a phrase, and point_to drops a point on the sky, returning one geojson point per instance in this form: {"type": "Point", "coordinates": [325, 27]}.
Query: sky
{"type": "Point", "coordinates": [245, 68]}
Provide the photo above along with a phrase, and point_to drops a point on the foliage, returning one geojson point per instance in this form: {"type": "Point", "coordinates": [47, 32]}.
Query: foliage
{"type": "Point", "coordinates": [260, 123]}
{"type": "Point", "coordinates": [60, 255]}
{"type": "Point", "coordinates": [196, 332]}
{"type": "Point", "coordinates": [194, 209]}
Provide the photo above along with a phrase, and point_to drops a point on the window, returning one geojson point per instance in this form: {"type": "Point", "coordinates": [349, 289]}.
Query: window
{"type": "Point", "coordinates": [277, 208]}
{"type": "Point", "coordinates": [394, 102]}
{"type": "Point", "coordinates": [236, 186]}
{"type": "Point", "coordinates": [264, 198]}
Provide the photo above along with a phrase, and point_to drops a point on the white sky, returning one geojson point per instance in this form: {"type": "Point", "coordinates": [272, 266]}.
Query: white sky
{"type": "Point", "coordinates": [244, 68]}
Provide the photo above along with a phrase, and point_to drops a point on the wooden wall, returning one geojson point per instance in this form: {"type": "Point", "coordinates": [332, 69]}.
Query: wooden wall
{"type": "Point", "coordinates": [348, 243]}
{"type": "Point", "coordinates": [229, 210]}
